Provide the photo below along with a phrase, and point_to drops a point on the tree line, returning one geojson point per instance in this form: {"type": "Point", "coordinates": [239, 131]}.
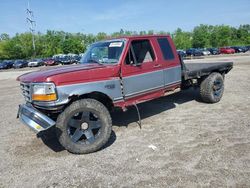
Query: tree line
{"type": "Point", "coordinates": [56, 42]}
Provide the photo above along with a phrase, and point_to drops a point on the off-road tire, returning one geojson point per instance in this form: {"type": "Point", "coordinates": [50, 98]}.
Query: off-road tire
{"type": "Point", "coordinates": [105, 130]}
{"type": "Point", "coordinates": [207, 92]}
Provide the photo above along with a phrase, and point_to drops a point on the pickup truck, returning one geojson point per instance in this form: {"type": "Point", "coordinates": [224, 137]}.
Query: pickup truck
{"type": "Point", "coordinates": [77, 99]}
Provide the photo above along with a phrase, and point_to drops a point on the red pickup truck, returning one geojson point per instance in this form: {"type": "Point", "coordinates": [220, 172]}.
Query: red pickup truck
{"type": "Point", "coordinates": [121, 72]}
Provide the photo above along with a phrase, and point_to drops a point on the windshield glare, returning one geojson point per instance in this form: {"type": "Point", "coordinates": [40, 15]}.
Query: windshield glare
{"type": "Point", "coordinates": [107, 52]}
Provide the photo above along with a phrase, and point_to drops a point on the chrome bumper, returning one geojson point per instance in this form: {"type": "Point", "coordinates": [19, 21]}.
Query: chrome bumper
{"type": "Point", "coordinates": [34, 119]}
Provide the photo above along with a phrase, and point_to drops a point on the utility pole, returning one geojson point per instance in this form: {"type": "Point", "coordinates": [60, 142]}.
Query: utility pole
{"type": "Point", "coordinates": [32, 24]}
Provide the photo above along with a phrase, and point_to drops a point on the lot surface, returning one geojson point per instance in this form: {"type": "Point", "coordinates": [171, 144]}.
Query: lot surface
{"type": "Point", "coordinates": [198, 145]}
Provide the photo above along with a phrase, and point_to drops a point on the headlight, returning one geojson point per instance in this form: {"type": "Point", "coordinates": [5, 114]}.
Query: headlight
{"type": "Point", "coordinates": [44, 92]}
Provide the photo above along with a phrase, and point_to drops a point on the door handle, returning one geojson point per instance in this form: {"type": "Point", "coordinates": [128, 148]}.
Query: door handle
{"type": "Point", "coordinates": [157, 65]}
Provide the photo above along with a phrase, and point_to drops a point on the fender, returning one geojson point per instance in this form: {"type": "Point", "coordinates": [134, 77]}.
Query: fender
{"type": "Point", "coordinates": [111, 88]}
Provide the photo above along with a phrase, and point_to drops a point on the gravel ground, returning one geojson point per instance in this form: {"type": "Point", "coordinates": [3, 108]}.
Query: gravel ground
{"type": "Point", "coordinates": [197, 144]}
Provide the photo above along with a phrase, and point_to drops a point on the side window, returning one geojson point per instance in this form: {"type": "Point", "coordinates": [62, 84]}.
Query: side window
{"type": "Point", "coordinates": [166, 48]}
{"type": "Point", "coordinates": [129, 58]}
{"type": "Point", "coordinates": [143, 52]}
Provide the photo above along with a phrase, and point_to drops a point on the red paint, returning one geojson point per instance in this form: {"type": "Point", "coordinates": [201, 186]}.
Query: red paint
{"type": "Point", "coordinates": [74, 74]}
{"type": "Point", "coordinates": [227, 50]}
{"type": "Point", "coordinates": [159, 62]}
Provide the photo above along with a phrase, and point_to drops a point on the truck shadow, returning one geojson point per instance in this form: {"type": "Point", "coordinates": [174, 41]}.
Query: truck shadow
{"type": "Point", "coordinates": [151, 108]}
{"type": "Point", "coordinates": [121, 118]}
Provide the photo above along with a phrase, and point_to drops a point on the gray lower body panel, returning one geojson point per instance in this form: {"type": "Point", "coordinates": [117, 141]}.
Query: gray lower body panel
{"type": "Point", "coordinates": [134, 85]}
{"type": "Point", "coordinates": [143, 82]}
{"type": "Point", "coordinates": [172, 75]}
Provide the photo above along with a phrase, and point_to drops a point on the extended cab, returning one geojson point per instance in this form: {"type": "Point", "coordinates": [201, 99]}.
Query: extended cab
{"type": "Point", "coordinates": [122, 72]}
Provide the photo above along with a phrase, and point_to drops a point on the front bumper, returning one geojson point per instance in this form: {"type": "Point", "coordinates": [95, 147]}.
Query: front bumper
{"type": "Point", "coordinates": [34, 119]}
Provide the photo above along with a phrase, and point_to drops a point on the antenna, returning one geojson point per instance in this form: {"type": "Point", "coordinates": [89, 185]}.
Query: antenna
{"type": "Point", "coordinates": [32, 23]}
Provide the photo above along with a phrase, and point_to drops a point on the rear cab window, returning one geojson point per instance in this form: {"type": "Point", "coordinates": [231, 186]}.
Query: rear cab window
{"type": "Point", "coordinates": [166, 49]}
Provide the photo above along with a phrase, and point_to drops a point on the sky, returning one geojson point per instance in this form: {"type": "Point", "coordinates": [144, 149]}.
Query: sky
{"type": "Point", "coordinates": [93, 16]}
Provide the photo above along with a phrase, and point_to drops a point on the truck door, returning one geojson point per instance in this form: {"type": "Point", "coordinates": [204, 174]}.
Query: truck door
{"type": "Point", "coordinates": [141, 72]}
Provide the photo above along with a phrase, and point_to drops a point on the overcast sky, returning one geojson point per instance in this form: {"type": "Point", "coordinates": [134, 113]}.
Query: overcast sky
{"type": "Point", "coordinates": [93, 16]}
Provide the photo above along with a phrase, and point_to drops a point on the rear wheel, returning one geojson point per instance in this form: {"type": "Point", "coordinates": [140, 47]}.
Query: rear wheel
{"type": "Point", "coordinates": [212, 88]}
{"type": "Point", "coordinates": [84, 127]}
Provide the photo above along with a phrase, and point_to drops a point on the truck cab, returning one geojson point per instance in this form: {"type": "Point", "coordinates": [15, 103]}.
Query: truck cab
{"type": "Point", "coordinates": [121, 72]}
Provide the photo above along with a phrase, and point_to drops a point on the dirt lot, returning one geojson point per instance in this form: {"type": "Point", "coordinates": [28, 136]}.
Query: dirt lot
{"type": "Point", "coordinates": [198, 145]}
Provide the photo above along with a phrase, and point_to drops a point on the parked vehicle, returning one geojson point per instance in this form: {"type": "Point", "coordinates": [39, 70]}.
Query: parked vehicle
{"type": "Point", "coordinates": [65, 60]}
{"type": "Point", "coordinates": [194, 52]}
{"type": "Point", "coordinates": [20, 64]}
{"type": "Point", "coordinates": [76, 59]}
{"type": "Point", "coordinates": [205, 52]}
{"type": "Point", "coordinates": [116, 73]}
{"type": "Point", "coordinates": [239, 49]}
{"type": "Point", "coordinates": [50, 62]}
{"type": "Point", "coordinates": [6, 64]}
{"type": "Point", "coordinates": [245, 49]}
{"type": "Point", "coordinates": [73, 58]}
{"type": "Point", "coordinates": [36, 63]}
{"type": "Point", "coordinates": [182, 53]}
{"type": "Point", "coordinates": [227, 50]}
{"type": "Point", "coordinates": [248, 48]}
{"type": "Point", "coordinates": [214, 51]}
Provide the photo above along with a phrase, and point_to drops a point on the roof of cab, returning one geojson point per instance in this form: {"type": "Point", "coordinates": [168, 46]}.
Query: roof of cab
{"type": "Point", "coordinates": [140, 36]}
{"type": "Point", "coordinates": [111, 39]}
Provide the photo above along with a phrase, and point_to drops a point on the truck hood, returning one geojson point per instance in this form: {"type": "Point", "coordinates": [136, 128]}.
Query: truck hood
{"type": "Point", "coordinates": [70, 74]}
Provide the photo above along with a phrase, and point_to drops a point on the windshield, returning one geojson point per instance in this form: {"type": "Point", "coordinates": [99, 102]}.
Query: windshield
{"type": "Point", "coordinates": [107, 52]}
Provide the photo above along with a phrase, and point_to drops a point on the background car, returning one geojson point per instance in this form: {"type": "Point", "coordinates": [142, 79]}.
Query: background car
{"type": "Point", "coordinates": [50, 62]}
{"type": "Point", "coordinates": [182, 53]}
{"type": "Point", "coordinates": [245, 48]}
{"type": "Point", "coordinates": [194, 52]}
{"type": "Point", "coordinates": [214, 51]}
{"type": "Point", "coordinates": [248, 48]}
{"type": "Point", "coordinates": [78, 58]}
{"type": "Point", "coordinates": [20, 64]}
{"type": "Point", "coordinates": [6, 64]}
{"type": "Point", "coordinates": [63, 60]}
{"type": "Point", "coordinates": [204, 51]}
{"type": "Point", "coordinates": [36, 63]}
{"type": "Point", "coordinates": [227, 50]}
{"type": "Point", "coordinates": [73, 58]}
{"type": "Point", "coordinates": [239, 49]}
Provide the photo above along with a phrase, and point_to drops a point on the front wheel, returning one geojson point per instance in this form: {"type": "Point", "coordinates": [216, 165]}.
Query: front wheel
{"type": "Point", "coordinates": [212, 88]}
{"type": "Point", "coordinates": [84, 127]}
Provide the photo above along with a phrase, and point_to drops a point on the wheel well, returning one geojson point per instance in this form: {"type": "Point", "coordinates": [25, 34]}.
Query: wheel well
{"type": "Point", "coordinates": [205, 76]}
{"type": "Point", "coordinates": [101, 97]}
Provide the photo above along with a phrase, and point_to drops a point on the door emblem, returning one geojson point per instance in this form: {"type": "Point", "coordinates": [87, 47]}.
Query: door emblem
{"type": "Point", "coordinates": [110, 86]}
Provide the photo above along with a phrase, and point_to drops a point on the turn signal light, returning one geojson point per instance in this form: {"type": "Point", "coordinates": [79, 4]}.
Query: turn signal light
{"type": "Point", "coordinates": [44, 97]}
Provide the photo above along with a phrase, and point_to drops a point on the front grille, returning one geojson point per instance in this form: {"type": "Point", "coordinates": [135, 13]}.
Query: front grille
{"type": "Point", "coordinates": [26, 91]}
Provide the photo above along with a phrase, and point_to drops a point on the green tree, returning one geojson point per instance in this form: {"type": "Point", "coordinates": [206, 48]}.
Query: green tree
{"type": "Point", "coordinates": [201, 36]}
{"type": "Point", "coordinates": [56, 42]}
{"type": "Point", "coordinates": [221, 36]}
{"type": "Point", "coordinates": [4, 36]}
{"type": "Point", "coordinates": [182, 40]}
{"type": "Point", "coordinates": [101, 36]}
